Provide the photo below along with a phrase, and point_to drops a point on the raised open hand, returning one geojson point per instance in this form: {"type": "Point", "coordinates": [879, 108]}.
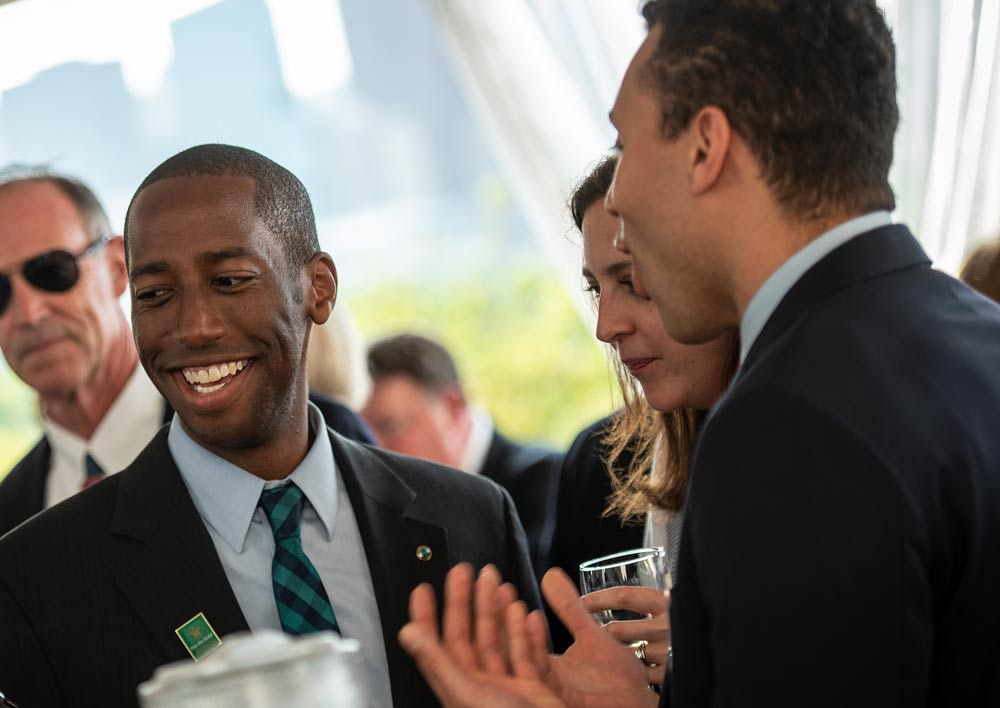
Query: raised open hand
{"type": "Point", "coordinates": [492, 652]}
{"type": "Point", "coordinates": [484, 656]}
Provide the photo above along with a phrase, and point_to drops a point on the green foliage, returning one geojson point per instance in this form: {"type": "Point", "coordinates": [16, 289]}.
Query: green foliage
{"type": "Point", "coordinates": [522, 350]}
{"type": "Point", "coordinates": [19, 426]}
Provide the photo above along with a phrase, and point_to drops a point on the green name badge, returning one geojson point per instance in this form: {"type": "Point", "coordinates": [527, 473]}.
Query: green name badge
{"type": "Point", "coordinates": [198, 637]}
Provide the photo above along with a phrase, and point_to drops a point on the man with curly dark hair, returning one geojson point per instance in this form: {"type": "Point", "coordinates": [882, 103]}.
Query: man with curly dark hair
{"type": "Point", "coordinates": [843, 517]}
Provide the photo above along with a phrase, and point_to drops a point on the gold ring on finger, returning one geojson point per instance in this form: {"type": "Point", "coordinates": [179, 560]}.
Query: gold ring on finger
{"type": "Point", "coordinates": [640, 651]}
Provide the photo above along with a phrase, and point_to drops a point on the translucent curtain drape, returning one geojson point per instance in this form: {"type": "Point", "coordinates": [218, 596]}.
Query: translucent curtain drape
{"type": "Point", "coordinates": [947, 154]}
{"type": "Point", "coordinates": [543, 73]}
{"type": "Point", "coordinates": [528, 77]}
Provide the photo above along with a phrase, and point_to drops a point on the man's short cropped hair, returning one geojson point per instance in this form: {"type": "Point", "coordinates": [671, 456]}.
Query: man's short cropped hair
{"type": "Point", "coordinates": [279, 198]}
{"type": "Point", "coordinates": [421, 359]}
{"type": "Point", "coordinates": [809, 86]}
{"type": "Point", "coordinates": [91, 212]}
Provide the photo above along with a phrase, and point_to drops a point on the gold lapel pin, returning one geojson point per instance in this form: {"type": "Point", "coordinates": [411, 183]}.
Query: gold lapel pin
{"type": "Point", "coordinates": [424, 553]}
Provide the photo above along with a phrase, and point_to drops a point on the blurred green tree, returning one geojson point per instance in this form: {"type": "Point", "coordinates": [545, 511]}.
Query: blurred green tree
{"type": "Point", "coordinates": [19, 424]}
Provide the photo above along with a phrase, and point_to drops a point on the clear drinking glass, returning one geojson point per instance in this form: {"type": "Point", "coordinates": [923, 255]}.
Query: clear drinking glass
{"type": "Point", "coordinates": [641, 567]}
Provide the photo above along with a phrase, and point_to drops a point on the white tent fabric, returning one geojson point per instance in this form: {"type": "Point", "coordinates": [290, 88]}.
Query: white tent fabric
{"type": "Point", "coordinates": [541, 120]}
{"type": "Point", "coordinates": [541, 75]}
{"type": "Point", "coordinates": [962, 186]}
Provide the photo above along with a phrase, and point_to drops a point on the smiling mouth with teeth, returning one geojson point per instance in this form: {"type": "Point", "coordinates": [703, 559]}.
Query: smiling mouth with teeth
{"type": "Point", "coordinates": [212, 378]}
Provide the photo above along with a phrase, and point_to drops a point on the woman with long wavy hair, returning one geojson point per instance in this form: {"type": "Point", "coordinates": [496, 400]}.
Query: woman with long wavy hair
{"type": "Point", "coordinates": [667, 388]}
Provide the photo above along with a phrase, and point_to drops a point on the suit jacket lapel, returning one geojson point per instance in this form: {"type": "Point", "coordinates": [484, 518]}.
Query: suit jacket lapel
{"type": "Point", "coordinates": [24, 486]}
{"type": "Point", "coordinates": [872, 254]}
{"type": "Point", "coordinates": [176, 573]}
{"type": "Point", "coordinates": [391, 539]}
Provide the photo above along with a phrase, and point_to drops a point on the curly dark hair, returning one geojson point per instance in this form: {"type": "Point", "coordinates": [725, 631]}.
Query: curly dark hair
{"type": "Point", "coordinates": [809, 85]}
{"type": "Point", "coordinates": [280, 199]}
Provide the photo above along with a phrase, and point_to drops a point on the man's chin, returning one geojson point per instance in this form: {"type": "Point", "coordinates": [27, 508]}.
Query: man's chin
{"type": "Point", "coordinates": [52, 382]}
{"type": "Point", "coordinates": [681, 326]}
{"type": "Point", "coordinates": [219, 438]}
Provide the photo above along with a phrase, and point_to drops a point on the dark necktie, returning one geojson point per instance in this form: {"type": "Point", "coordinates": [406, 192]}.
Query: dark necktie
{"type": "Point", "coordinates": [94, 473]}
{"type": "Point", "coordinates": [303, 605]}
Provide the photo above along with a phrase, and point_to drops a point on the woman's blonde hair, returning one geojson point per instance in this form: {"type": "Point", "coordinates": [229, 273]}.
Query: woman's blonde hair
{"type": "Point", "coordinates": [661, 443]}
{"type": "Point", "coordinates": [336, 363]}
{"type": "Point", "coordinates": [982, 270]}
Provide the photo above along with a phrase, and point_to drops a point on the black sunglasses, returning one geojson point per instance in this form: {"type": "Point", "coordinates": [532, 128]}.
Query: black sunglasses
{"type": "Point", "coordinates": [52, 271]}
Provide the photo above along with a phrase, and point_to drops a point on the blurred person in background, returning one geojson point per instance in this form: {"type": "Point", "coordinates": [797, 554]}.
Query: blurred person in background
{"type": "Point", "coordinates": [418, 407]}
{"type": "Point", "coordinates": [338, 361]}
{"type": "Point", "coordinates": [63, 332]}
{"type": "Point", "coordinates": [982, 270]}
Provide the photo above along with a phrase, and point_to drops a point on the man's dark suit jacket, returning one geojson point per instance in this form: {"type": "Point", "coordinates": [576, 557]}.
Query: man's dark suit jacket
{"type": "Point", "coordinates": [841, 540]}
{"type": "Point", "coordinates": [22, 491]}
{"type": "Point", "coordinates": [531, 475]}
{"type": "Point", "coordinates": [581, 530]}
{"type": "Point", "coordinates": [92, 590]}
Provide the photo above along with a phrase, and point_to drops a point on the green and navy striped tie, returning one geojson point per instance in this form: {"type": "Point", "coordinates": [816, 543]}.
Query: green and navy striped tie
{"type": "Point", "coordinates": [303, 605]}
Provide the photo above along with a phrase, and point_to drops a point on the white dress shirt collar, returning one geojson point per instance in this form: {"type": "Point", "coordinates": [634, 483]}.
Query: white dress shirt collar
{"type": "Point", "coordinates": [477, 446]}
{"type": "Point", "coordinates": [130, 423]}
{"type": "Point", "coordinates": [226, 495]}
{"type": "Point", "coordinates": [770, 294]}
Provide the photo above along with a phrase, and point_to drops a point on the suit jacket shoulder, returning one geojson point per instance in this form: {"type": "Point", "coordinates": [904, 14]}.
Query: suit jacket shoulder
{"type": "Point", "coordinates": [92, 591]}
{"type": "Point", "coordinates": [417, 520]}
{"type": "Point", "coordinates": [478, 515]}
{"type": "Point", "coordinates": [22, 491]}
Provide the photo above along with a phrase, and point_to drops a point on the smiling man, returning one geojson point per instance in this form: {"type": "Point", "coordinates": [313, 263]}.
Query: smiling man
{"type": "Point", "coordinates": [64, 333]}
{"type": "Point", "coordinates": [247, 513]}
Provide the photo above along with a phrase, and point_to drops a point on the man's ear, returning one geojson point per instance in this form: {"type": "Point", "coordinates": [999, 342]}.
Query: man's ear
{"type": "Point", "coordinates": [115, 255]}
{"type": "Point", "coordinates": [454, 401]}
{"type": "Point", "coordinates": [710, 135]}
{"type": "Point", "coordinates": [321, 294]}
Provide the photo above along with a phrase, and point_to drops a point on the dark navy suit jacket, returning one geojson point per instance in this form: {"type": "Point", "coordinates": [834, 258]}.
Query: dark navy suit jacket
{"type": "Point", "coordinates": [92, 590]}
{"type": "Point", "coordinates": [841, 540]}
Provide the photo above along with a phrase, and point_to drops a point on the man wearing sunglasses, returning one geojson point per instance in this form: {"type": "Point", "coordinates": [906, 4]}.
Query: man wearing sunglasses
{"type": "Point", "coordinates": [63, 332]}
